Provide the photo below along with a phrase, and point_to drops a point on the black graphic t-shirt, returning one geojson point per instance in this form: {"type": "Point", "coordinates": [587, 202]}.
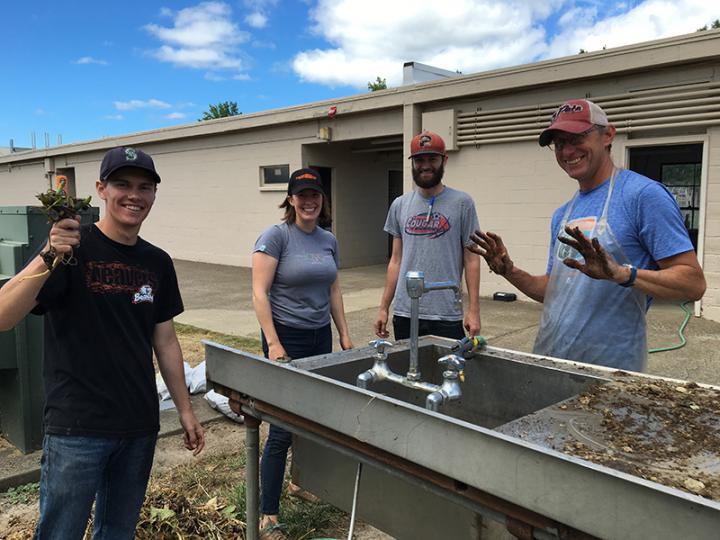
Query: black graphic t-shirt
{"type": "Point", "coordinates": [99, 324]}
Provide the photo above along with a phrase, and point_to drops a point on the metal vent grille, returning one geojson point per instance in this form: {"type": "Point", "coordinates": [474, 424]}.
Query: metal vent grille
{"type": "Point", "coordinates": [690, 105]}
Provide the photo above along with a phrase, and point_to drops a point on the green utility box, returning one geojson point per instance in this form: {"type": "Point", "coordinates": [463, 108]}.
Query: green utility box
{"type": "Point", "coordinates": [23, 231]}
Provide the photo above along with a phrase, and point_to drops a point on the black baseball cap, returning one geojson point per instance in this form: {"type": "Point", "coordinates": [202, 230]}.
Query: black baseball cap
{"type": "Point", "coordinates": [305, 179]}
{"type": "Point", "coordinates": [126, 156]}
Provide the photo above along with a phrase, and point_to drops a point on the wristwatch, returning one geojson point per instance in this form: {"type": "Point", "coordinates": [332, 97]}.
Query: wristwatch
{"type": "Point", "coordinates": [48, 258]}
{"type": "Point", "coordinates": [633, 274]}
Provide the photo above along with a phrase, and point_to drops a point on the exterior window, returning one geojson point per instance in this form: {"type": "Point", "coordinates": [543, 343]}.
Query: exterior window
{"type": "Point", "coordinates": [271, 175]}
{"type": "Point", "coordinates": [683, 181]}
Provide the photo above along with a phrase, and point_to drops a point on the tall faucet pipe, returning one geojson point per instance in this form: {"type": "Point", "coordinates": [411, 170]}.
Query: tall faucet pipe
{"type": "Point", "coordinates": [413, 374]}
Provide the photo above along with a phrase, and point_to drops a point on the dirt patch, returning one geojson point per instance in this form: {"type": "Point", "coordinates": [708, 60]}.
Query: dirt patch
{"type": "Point", "coordinates": [195, 497]}
{"type": "Point", "coordinates": [662, 431]}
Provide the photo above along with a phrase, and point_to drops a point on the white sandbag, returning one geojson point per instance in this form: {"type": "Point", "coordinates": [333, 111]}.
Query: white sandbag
{"type": "Point", "coordinates": [196, 379]}
{"type": "Point", "coordinates": [162, 389]}
{"type": "Point", "coordinates": [222, 404]}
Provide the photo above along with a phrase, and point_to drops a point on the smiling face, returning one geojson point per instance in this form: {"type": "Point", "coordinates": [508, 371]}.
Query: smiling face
{"type": "Point", "coordinates": [428, 170]}
{"type": "Point", "coordinates": [129, 195]}
{"type": "Point", "coordinates": [585, 157]}
{"type": "Point", "coordinates": [308, 205]}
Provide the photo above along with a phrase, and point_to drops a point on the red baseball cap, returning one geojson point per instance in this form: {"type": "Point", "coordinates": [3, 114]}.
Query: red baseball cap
{"type": "Point", "coordinates": [574, 116]}
{"type": "Point", "coordinates": [427, 142]}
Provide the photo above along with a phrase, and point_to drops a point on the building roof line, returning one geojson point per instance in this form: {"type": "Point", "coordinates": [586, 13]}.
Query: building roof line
{"type": "Point", "coordinates": [687, 48]}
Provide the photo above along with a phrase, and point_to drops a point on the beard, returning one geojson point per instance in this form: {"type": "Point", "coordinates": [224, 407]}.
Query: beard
{"type": "Point", "coordinates": [431, 182]}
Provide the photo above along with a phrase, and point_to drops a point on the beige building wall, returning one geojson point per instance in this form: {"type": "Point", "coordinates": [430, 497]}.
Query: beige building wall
{"type": "Point", "coordinates": [711, 259]}
{"type": "Point", "coordinates": [19, 183]}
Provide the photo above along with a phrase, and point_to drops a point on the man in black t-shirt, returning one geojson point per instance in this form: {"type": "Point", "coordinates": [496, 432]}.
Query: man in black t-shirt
{"type": "Point", "coordinates": [104, 317]}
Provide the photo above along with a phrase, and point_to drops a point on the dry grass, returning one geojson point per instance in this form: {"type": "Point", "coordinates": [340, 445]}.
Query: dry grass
{"type": "Point", "coordinates": [194, 351]}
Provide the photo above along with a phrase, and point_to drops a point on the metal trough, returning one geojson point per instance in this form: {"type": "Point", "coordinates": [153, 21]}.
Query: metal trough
{"type": "Point", "coordinates": [432, 475]}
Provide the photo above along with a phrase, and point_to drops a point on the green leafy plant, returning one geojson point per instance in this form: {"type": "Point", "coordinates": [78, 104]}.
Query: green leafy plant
{"type": "Point", "coordinates": [221, 110]}
{"type": "Point", "coordinates": [379, 84]}
{"type": "Point", "coordinates": [24, 494]}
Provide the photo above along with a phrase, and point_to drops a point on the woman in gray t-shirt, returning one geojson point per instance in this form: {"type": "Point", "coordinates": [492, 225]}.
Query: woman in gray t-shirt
{"type": "Point", "coordinates": [295, 294]}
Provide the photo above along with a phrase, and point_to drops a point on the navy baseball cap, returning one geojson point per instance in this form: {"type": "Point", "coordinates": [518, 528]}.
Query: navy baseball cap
{"type": "Point", "coordinates": [305, 179]}
{"type": "Point", "coordinates": [125, 156]}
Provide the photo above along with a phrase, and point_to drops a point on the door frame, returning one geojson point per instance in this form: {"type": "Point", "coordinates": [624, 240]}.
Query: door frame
{"type": "Point", "coordinates": [624, 147]}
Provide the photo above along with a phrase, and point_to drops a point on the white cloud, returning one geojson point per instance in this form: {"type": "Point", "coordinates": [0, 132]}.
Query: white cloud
{"type": "Point", "coordinates": [256, 20]}
{"type": "Point", "coordinates": [460, 35]}
{"type": "Point", "coordinates": [175, 116]}
{"type": "Point", "coordinates": [90, 60]}
{"type": "Point", "coordinates": [113, 117]}
{"type": "Point", "coordinates": [472, 36]}
{"type": "Point", "coordinates": [201, 37]}
{"type": "Point", "coordinates": [140, 104]}
{"type": "Point", "coordinates": [652, 19]}
{"type": "Point", "coordinates": [214, 77]}
{"type": "Point", "coordinates": [258, 16]}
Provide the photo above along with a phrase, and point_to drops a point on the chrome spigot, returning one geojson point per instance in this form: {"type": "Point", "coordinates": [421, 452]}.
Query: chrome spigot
{"type": "Point", "coordinates": [416, 287]}
{"type": "Point", "coordinates": [380, 370]}
{"type": "Point", "coordinates": [380, 345]}
{"type": "Point", "coordinates": [450, 388]}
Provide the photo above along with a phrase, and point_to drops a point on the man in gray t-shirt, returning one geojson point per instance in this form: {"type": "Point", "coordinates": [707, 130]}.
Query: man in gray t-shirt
{"type": "Point", "coordinates": [431, 227]}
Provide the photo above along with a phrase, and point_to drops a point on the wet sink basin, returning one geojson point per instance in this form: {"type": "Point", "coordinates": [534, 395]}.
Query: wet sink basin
{"type": "Point", "coordinates": [496, 390]}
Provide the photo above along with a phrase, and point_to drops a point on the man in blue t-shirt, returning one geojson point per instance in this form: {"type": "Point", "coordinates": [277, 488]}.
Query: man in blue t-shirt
{"type": "Point", "coordinates": [619, 242]}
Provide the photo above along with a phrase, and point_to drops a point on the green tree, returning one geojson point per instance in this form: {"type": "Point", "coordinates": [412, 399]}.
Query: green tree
{"type": "Point", "coordinates": [221, 110]}
{"type": "Point", "coordinates": [379, 84]}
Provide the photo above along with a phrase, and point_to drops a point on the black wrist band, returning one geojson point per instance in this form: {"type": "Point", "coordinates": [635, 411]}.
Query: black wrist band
{"type": "Point", "coordinates": [48, 258]}
{"type": "Point", "coordinates": [633, 275]}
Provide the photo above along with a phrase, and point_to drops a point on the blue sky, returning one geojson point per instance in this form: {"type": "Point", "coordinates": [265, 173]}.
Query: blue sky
{"type": "Point", "coordinates": [85, 70]}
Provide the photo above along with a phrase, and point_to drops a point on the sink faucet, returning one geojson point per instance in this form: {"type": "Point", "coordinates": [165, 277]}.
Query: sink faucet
{"type": "Point", "coordinates": [416, 287]}
{"type": "Point", "coordinates": [450, 388]}
{"type": "Point", "coordinates": [380, 370]}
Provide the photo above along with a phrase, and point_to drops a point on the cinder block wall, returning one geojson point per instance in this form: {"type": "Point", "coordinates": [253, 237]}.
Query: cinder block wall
{"type": "Point", "coordinates": [711, 263]}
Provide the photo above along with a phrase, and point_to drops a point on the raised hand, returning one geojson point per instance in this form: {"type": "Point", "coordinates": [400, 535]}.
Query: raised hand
{"type": "Point", "coordinates": [599, 264]}
{"type": "Point", "coordinates": [491, 248]}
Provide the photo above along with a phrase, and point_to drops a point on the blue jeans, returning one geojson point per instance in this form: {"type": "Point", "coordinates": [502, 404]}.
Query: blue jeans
{"type": "Point", "coordinates": [448, 329]}
{"type": "Point", "coordinates": [298, 343]}
{"type": "Point", "coordinates": [75, 471]}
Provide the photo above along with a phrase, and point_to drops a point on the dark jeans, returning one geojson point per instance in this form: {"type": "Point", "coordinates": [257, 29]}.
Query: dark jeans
{"type": "Point", "coordinates": [75, 471]}
{"type": "Point", "coordinates": [448, 329]}
{"type": "Point", "coordinates": [298, 343]}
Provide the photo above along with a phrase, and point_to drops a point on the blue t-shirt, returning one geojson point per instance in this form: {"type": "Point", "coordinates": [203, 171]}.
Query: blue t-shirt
{"type": "Point", "coordinates": [307, 267]}
{"type": "Point", "coordinates": [643, 215]}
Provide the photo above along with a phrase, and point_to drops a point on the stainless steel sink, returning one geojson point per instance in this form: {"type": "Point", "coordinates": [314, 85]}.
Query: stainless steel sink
{"type": "Point", "coordinates": [496, 390]}
{"type": "Point", "coordinates": [483, 454]}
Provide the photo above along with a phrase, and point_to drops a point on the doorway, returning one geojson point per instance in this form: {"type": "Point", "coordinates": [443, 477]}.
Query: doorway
{"type": "Point", "coordinates": [679, 168]}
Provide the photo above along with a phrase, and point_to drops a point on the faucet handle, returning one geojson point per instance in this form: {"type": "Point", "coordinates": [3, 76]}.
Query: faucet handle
{"type": "Point", "coordinates": [453, 362]}
{"type": "Point", "coordinates": [380, 345]}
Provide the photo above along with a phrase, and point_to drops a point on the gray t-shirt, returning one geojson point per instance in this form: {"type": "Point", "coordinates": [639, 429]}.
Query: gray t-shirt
{"type": "Point", "coordinates": [433, 240]}
{"type": "Point", "coordinates": [307, 267]}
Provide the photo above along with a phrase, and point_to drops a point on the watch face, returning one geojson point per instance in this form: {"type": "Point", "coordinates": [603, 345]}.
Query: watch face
{"type": "Point", "coordinates": [48, 257]}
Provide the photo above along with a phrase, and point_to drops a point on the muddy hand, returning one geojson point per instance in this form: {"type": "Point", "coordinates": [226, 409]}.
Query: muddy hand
{"type": "Point", "coordinates": [598, 262]}
{"type": "Point", "coordinates": [491, 248]}
{"type": "Point", "coordinates": [65, 235]}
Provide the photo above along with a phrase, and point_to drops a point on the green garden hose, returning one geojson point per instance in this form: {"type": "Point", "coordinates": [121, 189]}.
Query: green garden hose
{"type": "Point", "coordinates": [683, 341]}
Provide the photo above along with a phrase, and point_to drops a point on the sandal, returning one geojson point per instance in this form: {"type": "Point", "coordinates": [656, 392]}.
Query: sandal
{"type": "Point", "coordinates": [294, 490]}
{"type": "Point", "coordinates": [273, 532]}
